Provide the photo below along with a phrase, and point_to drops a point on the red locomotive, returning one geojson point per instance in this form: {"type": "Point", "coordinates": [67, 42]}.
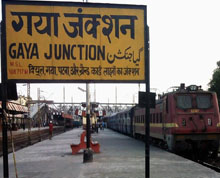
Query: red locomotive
{"type": "Point", "coordinates": [187, 119]}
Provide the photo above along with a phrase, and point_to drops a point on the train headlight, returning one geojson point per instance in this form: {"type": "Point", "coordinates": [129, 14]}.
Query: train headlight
{"type": "Point", "coordinates": [209, 122]}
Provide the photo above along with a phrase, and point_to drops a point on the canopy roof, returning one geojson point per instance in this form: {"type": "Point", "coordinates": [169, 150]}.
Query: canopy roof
{"type": "Point", "coordinates": [15, 108]}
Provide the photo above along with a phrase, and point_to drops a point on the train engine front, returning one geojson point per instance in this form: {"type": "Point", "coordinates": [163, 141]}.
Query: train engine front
{"type": "Point", "coordinates": [194, 115]}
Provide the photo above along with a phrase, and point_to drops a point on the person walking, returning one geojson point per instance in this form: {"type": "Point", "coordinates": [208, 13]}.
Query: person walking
{"type": "Point", "coordinates": [103, 125]}
{"type": "Point", "coordinates": [50, 130]}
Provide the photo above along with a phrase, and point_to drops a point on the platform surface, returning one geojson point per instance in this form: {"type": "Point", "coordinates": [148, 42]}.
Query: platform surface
{"type": "Point", "coordinates": [120, 157]}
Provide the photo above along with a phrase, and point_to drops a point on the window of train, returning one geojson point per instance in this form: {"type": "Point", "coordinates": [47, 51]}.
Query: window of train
{"type": "Point", "coordinates": [203, 101]}
{"type": "Point", "coordinates": [184, 101]}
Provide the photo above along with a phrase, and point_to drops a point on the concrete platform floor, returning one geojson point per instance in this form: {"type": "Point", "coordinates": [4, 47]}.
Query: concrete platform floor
{"type": "Point", "coordinates": [120, 157]}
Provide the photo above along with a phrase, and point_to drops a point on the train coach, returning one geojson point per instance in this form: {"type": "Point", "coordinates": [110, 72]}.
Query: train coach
{"type": "Point", "coordinates": [184, 119]}
{"type": "Point", "coordinates": [121, 121]}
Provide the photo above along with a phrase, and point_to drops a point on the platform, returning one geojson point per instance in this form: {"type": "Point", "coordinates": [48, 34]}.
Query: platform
{"type": "Point", "coordinates": [120, 157]}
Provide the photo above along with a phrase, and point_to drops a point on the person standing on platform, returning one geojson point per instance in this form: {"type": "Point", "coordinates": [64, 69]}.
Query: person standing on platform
{"type": "Point", "coordinates": [23, 126]}
{"type": "Point", "coordinates": [103, 125]}
{"type": "Point", "coordinates": [50, 130]}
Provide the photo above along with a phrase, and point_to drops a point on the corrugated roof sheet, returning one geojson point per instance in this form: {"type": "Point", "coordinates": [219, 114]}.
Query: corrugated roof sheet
{"type": "Point", "coordinates": [14, 107]}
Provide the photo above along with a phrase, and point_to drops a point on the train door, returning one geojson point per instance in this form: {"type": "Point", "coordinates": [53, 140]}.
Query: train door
{"type": "Point", "coordinates": [164, 116]}
{"type": "Point", "coordinates": [131, 115]}
{"type": "Point", "coordinates": [134, 123]}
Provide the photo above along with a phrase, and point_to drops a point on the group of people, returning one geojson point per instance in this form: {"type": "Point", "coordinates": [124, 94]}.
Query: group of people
{"type": "Point", "coordinates": [99, 125]}
{"type": "Point", "coordinates": [102, 125]}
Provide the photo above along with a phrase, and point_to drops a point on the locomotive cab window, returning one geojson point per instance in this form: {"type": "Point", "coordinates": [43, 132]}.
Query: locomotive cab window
{"type": "Point", "coordinates": [184, 101]}
{"type": "Point", "coordinates": [203, 101]}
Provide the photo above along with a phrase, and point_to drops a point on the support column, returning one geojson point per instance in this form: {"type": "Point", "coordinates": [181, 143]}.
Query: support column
{"type": "Point", "coordinates": [87, 154]}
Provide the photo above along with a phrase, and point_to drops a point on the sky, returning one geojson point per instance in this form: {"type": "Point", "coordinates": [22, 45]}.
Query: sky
{"type": "Point", "coordinates": [184, 48]}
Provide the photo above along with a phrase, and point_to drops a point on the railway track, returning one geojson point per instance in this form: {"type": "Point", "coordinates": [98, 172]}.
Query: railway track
{"type": "Point", "coordinates": [25, 139]}
{"type": "Point", "coordinates": [213, 164]}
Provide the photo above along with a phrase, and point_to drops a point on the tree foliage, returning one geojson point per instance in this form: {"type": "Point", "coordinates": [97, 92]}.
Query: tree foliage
{"type": "Point", "coordinates": [215, 81]}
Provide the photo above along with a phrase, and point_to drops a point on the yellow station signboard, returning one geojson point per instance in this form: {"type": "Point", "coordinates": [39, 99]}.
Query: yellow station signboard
{"type": "Point", "coordinates": [74, 42]}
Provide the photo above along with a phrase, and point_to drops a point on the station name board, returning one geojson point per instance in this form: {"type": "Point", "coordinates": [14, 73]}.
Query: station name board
{"type": "Point", "coordinates": [74, 42]}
